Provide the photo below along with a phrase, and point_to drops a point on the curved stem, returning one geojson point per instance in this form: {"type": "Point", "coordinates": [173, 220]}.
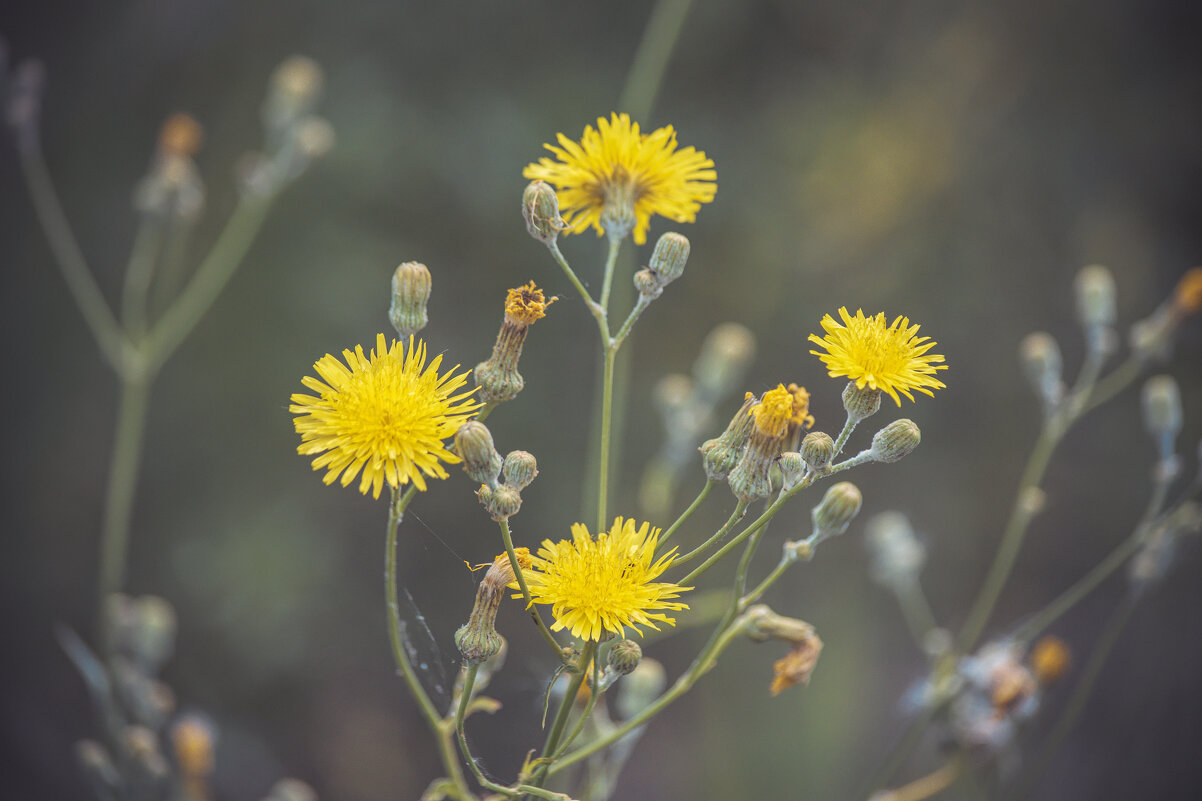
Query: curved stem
{"type": "Point", "coordinates": [687, 513]}
{"type": "Point", "coordinates": [122, 484]}
{"type": "Point", "coordinates": [211, 277]}
{"type": "Point", "coordinates": [735, 517]}
{"type": "Point", "coordinates": [841, 440]}
{"type": "Point", "coordinates": [507, 538]}
{"type": "Point", "coordinates": [594, 308]}
{"type": "Point", "coordinates": [69, 257]}
{"type": "Point", "coordinates": [396, 512]}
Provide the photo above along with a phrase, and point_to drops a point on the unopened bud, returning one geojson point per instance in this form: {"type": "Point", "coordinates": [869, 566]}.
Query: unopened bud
{"type": "Point", "coordinates": [474, 444]}
{"type": "Point", "coordinates": [672, 393]}
{"type": "Point", "coordinates": [476, 644]}
{"type": "Point", "coordinates": [669, 257]}
{"type": "Point", "coordinates": [519, 469]}
{"type": "Point", "coordinates": [314, 138]}
{"type": "Point", "coordinates": [817, 450]}
{"type": "Point", "coordinates": [141, 744]}
{"type": "Point", "coordinates": [838, 508]}
{"type": "Point", "coordinates": [540, 208]}
{"type": "Point", "coordinates": [640, 688]}
{"type": "Point", "coordinates": [292, 91]}
{"type": "Point", "coordinates": [792, 468]}
{"type": "Point", "coordinates": [647, 284]}
{"type": "Point", "coordinates": [1040, 356]}
{"type": "Point", "coordinates": [895, 441]}
{"type": "Point", "coordinates": [1096, 307]}
{"type": "Point", "coordinates": [860, 403]}
{"type": "Point", "coordinates": [1162, 411]}
{"type": "Point", "coordinates": [181, 135]}
{"type": "Point", "coordinates": [501, 502]}
{"type": "Point", "coordinates": [411, 284]}
{"type": "Point", "coordinates": [721, 454]}
{"type": "Point", "coordinates": [625, 656]}
{"type": "Point", "coordinates": [726, 353]}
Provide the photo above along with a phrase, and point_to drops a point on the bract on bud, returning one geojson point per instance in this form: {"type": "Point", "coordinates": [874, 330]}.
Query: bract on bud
{"type": "Point", "coordinates": [540, 208]}
{"type": "Point", "coordinates": [895, 441]}
{"type": "Point", "coordinates": [519, 469]}
{"type": "Point", "coordinates": [721, 454]}
{"type": "Point", "coordinates": [501, 502]}
{"type": "Point", "coordinates": [860, 403]}
{"type": "Point", "coordinates": [474, 444]}
{"type": "Point", "coordinates": [669, 257]}
{"type": "Point", "coordinates": [625, 656]}
{"type": "Point", "coordinates": [411, 285]}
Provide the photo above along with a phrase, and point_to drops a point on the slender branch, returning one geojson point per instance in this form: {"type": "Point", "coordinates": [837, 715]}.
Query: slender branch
{"type": "Point", "coordinates": [594, 308]}
{"type": "Point", "coordinates": [69, 258]}
{"type": "Point", "coordinates": [933, 783]}
{"type": "Point", "coordinates": [735, 517]}
{"type": "Point", "coordinates": [587, 654]}
{"type": "Point", "coordinates": [1115, 382]}
{"type": "Point", "coordinates": [507, 538]}
{"type": "Point", "coordinates": [607, 398]}
{"type": "Point", "coordinates": [122, 484]}
{"type": "Point", "coordinates": [687, 513]}
{"type": "Point", "coordinates": [585, 714]}
{"type": "Point", "coordinates": [841, 440]}
{"type": "Point", "coordinates": [607, 280]}
{"type": "Point", "coordinates": [138, 275]}
{"type": "Point", "coordinates": [210, 278]}
{"type": "Point", "coordinates": [640, 306]}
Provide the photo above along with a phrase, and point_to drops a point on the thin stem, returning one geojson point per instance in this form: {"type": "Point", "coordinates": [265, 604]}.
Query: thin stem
{"type": "Point", "coordinates": [587, 654]}
{"type": "Point", "coordinates": [915, 609]}
{"type": "Point", "coordinates": [735, 517]}
{"type": "Point", "coordinates": [607, 398]}
{"type": "Point", "coordinates": [396, 512]}
{"type": "Point", "coordinates": [901, 750]}
{"type": "Point", "coordinates": [122, 483]}
{"type": "Point", "coordinates": [69, 257]}
{"type": "Point", "coordinates": [931, 784]}
{"type": "Point", "coordinates": [841, 440]}
{"type": "Point", "coordinates": [507, 538]}
{"type": "Point", "coordinates": [687, 513]}
{"type": "Point", "coordinates": [1115, 382]}
{"type": "Point", "coordinates": [640, 306]}
{"type": "Point", "coordinates": [607, 280]}
{"type": "Point", "coordinates": [585, 714]}
{"type": "Point", "coordinates": [210, 278]}
{"type": "Point", "coordinates": [594, 308]}
{"type": "Point", "coordinates": [1097, 659]}
{"type": "Point", "coordinates": [728, 547]}
{"type": "Point", "coordinates": [138, 275]}
{"type": "Point", "coordinates": [778, 571]}
{"type": "Point", "coordinates": [651, 60]}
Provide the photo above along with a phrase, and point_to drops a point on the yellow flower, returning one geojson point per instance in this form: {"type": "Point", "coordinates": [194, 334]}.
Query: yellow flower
{"type": "Point", "coordinates": [386, 416]}
{"type": "Point", "coordinates": [773, 412]}
{"type": "Point", "coordinates": [604, 584]}
{"type": "Point", "coordinates": [885, 357]}
{"type": "Point", "coordinates": [618, 177]}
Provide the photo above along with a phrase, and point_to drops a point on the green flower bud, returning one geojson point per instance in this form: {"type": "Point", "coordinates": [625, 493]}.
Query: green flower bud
{"type": "Point", "coordinates": [860, 403]}
{"type": "Point", "coordinates": [501, 502]}
{"type": "Point", "coordinates": [1040, 357]}
{"type": "Point", "coordinates": [838, 508]}
{"type": "Point", "coordinates": [410, 293]}
{"type": "Point", "coordinates": [540, 208]}
{"type": "Point", "coordinates": [669, 257]}
{"type": "Point", "coordinates": [1096, 308]}
{"type": "Point", "coordinates": [896, 440]}
{"type": "Point", "coordinates": [473, 443]}
{"type": "Point", "coordinates": [625, 656]}
{"type": "Point", "coordinates": [817, 450]}
{"type": "Point", "coordinates": [792, 468]}
{"type": "Point", "coordinates": [1162, 412]}
{"type": "Point", "coordinates": [722, 453]}
{"type": "Point", "coordinates": [519, 469]}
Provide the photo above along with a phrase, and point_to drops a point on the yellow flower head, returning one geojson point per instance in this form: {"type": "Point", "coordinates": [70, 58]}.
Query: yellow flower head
{"type": "Point", "coordinates": [885, 357]}
{"type": "Point", "coordinates": [615, 171]}
{"type": "Point", "coordinates": [386, 416]}
{"type": "Point", "coordinates": [605, 584]}
{"type": "Point", "coordinates": [526, 304]}
{"type": "Point", "coordinates": [801, 417]}
{"type": "Point", "coordinates": [773, 412]}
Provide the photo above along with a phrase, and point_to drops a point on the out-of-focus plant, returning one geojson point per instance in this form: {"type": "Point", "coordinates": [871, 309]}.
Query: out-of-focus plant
{"type": "Point", "coordinates": [147, 750]}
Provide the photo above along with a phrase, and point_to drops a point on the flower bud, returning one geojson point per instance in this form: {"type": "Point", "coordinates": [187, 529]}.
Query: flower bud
{"type": "Point", "coordinates": [1096, 308]}
{"type": "Point", "coordinates": [725, 355]}
{"type": "Point", "coordinates": [751, 479]}
{"type": "Point", "coordinates": [314, 138]}
{"type": "Point", "coordinates": [817, 450]}
{"type": "Point", "coordinates": [292, 92]}
{"type": "Point", "coordinates": [1187, 295]}
{"type": "Point", "coordinates": [721, 454]}
{"type": "Point", "coordinates": [838, 508]}
{"type": "Point", "coordinates": [860, 403]}
{"type": "Point", "coordinates": [501, 502]}
{"type": "Point", "coordinates": [481, 462]}
{"type": "Point", "coordinates": [498, 378]}
{"type": "Point", "coordinates": [181, 135]}
{"type": "Point", "coordinates": [519, 469]}
{"type": "Point", "coordinates": [895, 441]}
{"type": "Point", "coordinates": [411, 285]}
{"type": "Point", "coordinates": [148, 762]}
{"type": "Point", "coordinates": [625, 656]}
{"type": "Point", "coordinates": [640, 688]}
{"type": "Point", "coordinates": [647, 285]}
{"type": "Point", "coordinates": [540, 208]}
{"type": "Point", "coordinates": [1162, 412]}
{"type": "Point", "coordinates": [1040, 356]}
{"type": "Point", "coordinates": [477, 645]}
{"type": "Point", "coordinates": [792, 468]}
{"type": "Point", "coordinates": [669, 257]}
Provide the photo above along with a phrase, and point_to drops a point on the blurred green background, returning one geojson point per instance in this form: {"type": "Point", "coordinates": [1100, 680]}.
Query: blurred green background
{"type": "Point", "coordinates": [953, 162]}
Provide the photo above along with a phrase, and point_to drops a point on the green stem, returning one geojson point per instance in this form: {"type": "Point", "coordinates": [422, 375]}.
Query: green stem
{"type": "Point", "coordinates": [585, 714]}
{"type": "Point", "coordinates": [112, 341]}
{"type": "Point", "coordinates": [607, 398]}
{"type": "Point", "coordinates": [915, 609]}
{"type": "Point", "coordinates": [901, 750]}
{"type": "Point", "coordinates": [122, 483]}
{"type": "Point", "coordinates": [594, 308]}
{"type": "Point", "coordinates": [651, 59]}
{"type": "Point", "coordinates": [687, 513]}
{"type": "Point", "coordinates": [1114, 383]}
{"type": "Point", "coordinates": [507, 538]}
{"type": "Point", "coordinates": [587, 653]}
{"type": "Point", "coordinates": [138, 275]}
{"type": "Point", "coordinates": [639, 307]}
{"type": "Point", "coordinates": [1097, 659]}
{"type": "Point", "coordinates": [735, 517]}
{"type": "Point", "coordinates": [841, 440]}
{"type": "Point", "coordinates": [607, 280]}
{"type": "Point", "coordinates": [211, 277]}
{"type": "Point", "coordinates": [396, 512]}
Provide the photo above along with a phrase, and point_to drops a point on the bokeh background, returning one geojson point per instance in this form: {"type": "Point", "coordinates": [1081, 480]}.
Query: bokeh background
{"type": "Point", "coordinates": [953, 162]}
